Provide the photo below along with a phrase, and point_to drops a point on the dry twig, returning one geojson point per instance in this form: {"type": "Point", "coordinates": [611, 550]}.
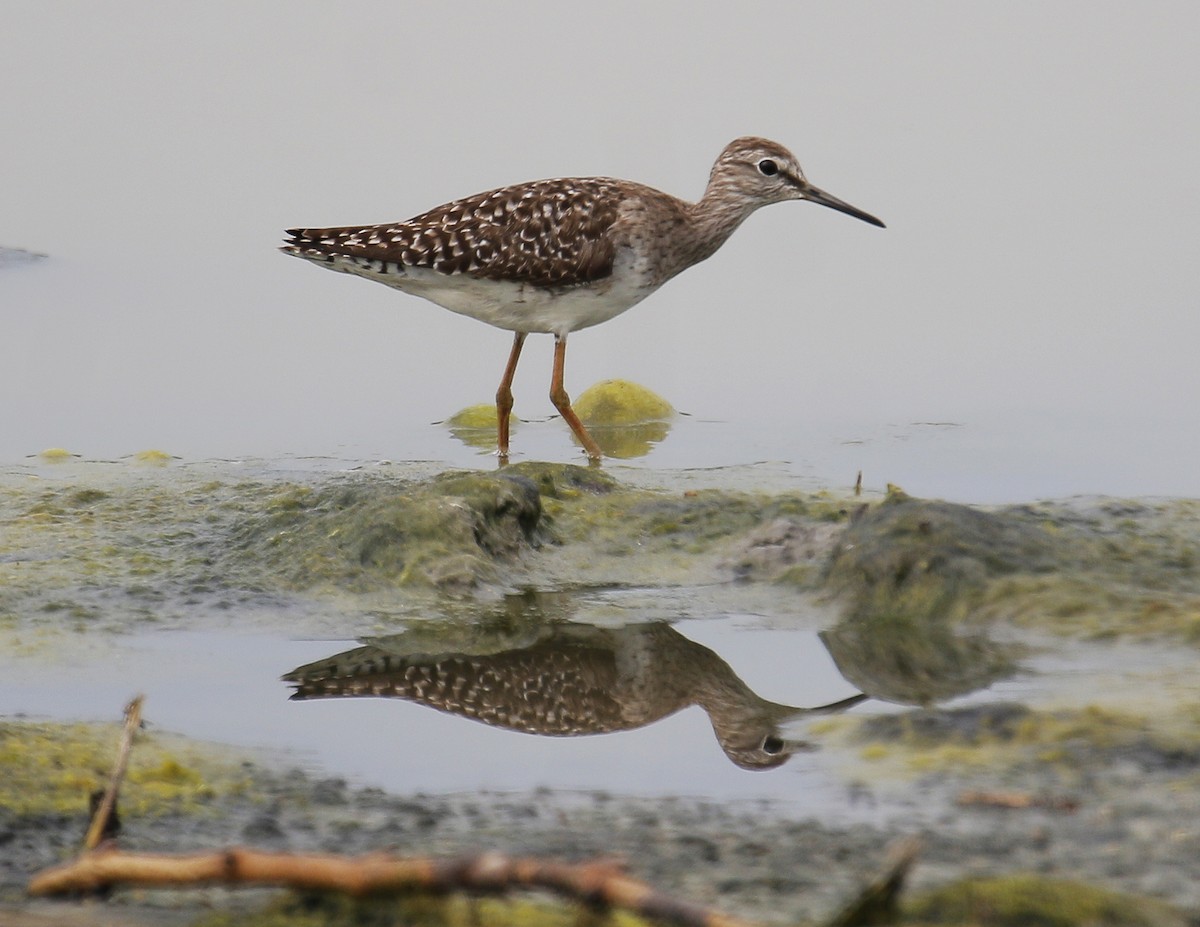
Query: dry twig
{"type": "Point", "coordinates": [878, 902]}
{"type": "Point", "coordinates": [133, 720]}
{"type": "Point", "coordinates": [1018, 800]}
{"type": "Point", "coordinates": [599, 883]}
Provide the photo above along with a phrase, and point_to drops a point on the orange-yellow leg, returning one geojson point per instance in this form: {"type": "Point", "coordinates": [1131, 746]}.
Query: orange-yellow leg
{"type": "Point", "coordinates": [504, 396]}
{"type": "Point", "coordinates": [562, 401]}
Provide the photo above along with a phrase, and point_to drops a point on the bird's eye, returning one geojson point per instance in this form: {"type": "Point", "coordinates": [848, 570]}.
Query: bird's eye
{"type": "Point", "coordinates": [771, 745]}
{"type": "Point", "coordinates": [768, 168]}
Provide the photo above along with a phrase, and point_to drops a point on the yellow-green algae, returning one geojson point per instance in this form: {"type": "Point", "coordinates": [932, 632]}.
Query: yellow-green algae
{"type": "Point", "coordinates": [326, 910]}
{"type": "Point", "coordinates": [1096, 569]}
{"type": "Point", "coordinates": [1027, 900]}
{"type": "Point", "coordinates": [48, 768]}
{"type": "Point", "coordinates": [1005, 736]}
{"type": "Point", "coordinates": [626, 419]}
{"type": "Point", "coordinates": [152, 458]}
{"type": "Point", "coordinates": [529, 523]}
{"type": "Point", "coordinates": [621, 402]}
{"type": "Point", "coordinates": [1019, 900]}
{"type": "Point", "coordinates": [91, 550]}
{"type": "Point", "coordinates": [475, 426]}
{"type": "Point", "coordinates": [451, 532]}
{"type": "Point", "coordinates": [56, 455]}
{"type": "Point", "coordinates": [481, 416]}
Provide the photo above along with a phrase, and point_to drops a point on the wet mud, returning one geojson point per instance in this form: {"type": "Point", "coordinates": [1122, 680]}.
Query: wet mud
{"type": "Point", "coordinates": [928, 603]}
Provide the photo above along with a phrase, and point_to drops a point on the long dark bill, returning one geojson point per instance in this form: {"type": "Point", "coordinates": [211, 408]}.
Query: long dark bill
{"type": "Point", "coordinates": [817, 195]}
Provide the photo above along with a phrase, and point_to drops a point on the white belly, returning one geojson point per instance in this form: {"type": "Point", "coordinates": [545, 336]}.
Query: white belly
{"type": "Point", "coordinates": [517, 307]}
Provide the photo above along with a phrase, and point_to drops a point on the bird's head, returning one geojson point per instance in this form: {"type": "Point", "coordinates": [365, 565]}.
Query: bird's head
{"type": "Point", "coordinates": [763, 171]}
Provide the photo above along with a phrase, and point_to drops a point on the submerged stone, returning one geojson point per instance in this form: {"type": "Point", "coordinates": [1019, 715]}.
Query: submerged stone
{"type": "Point", "coordinates": [920, 555]}
{"type": "Point", "coordinates": [17, 257]}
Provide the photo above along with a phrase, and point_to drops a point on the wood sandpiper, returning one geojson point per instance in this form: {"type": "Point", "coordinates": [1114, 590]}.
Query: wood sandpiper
{"type": "Point", "coordinates": [555, 256]}
{"type": "Point", "coordinates": [572, 680]}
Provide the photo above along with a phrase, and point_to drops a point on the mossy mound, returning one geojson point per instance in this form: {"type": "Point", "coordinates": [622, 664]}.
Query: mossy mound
{"type": "Point", "coordinates": [916, 557]}
{"type": "Point", "coordinates": [482, 416]}
{"type": "Point", "coordinates": [449, 533]}
{"type": "Point", "coordinates": [1003, 736]}
{"type": "Point", "coordinates": [920, 582]}
{"type": "Point", "coordinates": [911, 575]}
{"type": "Point", "coordinates": [1035, 901]}
{"type": "Point", "coordinates": [1125, 568]}
{"type": "Point", "coordinates": [51, 769]}
{"type": "Point", "coordinates": [621, 402]}
{"type": "Point", "coordinates": [56, 455]}
{"type": "Point", "coordinates": [917, 582]}
{"type": "Point", "coordinates": [625, 419]}
{"type": "Point", "coordinates": [325, 910]}
{"type": "Point", "coordinates": [475, 426]}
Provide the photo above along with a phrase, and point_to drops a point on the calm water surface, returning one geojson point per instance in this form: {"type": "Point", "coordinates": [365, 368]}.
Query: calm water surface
{"type": "Point", "coordinates": [1025, 328]}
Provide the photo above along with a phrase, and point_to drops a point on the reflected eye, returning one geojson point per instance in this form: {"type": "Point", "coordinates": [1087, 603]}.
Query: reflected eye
{"type": "Point", "coordinates": [771, 746]}
{"type": "Point", "coordinates": [768, 168]}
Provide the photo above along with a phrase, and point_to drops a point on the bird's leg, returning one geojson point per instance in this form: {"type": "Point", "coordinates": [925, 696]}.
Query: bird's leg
{"type": "Point", "coordinates": [504, 396]}
{"type": "Point", "coordinates": [562, 401]}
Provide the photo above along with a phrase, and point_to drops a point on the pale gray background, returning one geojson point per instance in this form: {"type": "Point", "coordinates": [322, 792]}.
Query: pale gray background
{"type": "Point", "coordinates": [1036, 164]}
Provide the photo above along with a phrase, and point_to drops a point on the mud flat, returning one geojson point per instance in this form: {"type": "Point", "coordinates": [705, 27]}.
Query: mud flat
{"type": "Point", "coordinates": [933, 609]}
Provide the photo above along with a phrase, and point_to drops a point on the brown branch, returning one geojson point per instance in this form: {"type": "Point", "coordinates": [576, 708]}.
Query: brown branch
{"type": "Point", "coordinates": [878, 902]}
{"type": "Point", "coordinates": [599, 882]}
{"type": "Point", "coordinates": [100, 819]}
{"type": "Point", "coordinates": [1018, 801]}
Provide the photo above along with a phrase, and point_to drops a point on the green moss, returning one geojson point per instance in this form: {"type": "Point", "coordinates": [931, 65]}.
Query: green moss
{"type": "Point", "coordinates": [621, 402]}
{"type": "Point", "coordinates": [56, 455]}
{"type": "Point", "coordinates": [475, 426]}
{"type": "Point", "coordinates": [927, 570]}
{"type": "Point", "coordinates": [1099, 570]}
{"type": "Point", "coordinates": [480, 416]}
{"type": "Point", "coordinates": [448, 533]}
{"type": "Point", "coordinates": [320, 910]}
{"type": "Point", "coordinates": [53, 768]}
{"type": "Point", "coordinates": [152, 458]}
{"type": "Point", "coordinates": [1004, 736]}
{"type": "Point", "coordinates": [1034, 901]}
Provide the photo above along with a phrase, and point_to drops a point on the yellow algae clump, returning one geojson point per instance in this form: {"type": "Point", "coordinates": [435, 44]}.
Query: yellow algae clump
{"type": "Point", "coordinates": [1025, 898]}
{"type": "Point", "coordinates": [480, 416]}
{"type": "Point", "coordinates": [48, 768]}
{"type": "Point", "coordinates": [56, 455]}
{"type": "Point", "coordinates": [621, 402]}
{"type": "Point", "coordinates": [152, 458]}
{"type": "Point", "coordinates": [475, 426]}
{"type": "Point", "coordinates": [626, 419]}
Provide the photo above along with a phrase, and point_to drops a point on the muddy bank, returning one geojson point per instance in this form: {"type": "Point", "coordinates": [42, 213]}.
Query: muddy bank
{"type": "Point", "coordinates": [922, 603]}
{"type": "Point", "coordinates": [97, 546]}
{"type": "Point", "coordinates": [742, 857]}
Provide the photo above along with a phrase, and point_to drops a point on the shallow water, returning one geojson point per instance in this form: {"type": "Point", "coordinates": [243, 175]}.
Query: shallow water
{"type": "Point", "coordinates": [225, 685]}
{"type": "Point", "coordinates": [1024, 329]}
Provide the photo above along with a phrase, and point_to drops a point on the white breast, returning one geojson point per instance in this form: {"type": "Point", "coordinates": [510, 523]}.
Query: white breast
{"type": "Point", "coordinates": [516, 307]}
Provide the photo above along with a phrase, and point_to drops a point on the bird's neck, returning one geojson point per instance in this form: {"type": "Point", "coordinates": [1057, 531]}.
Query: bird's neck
{"type": "Point", "coordinates": [717, 215]}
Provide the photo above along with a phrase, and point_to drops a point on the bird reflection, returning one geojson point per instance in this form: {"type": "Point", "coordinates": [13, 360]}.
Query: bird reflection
{"type": "Point", "coordinates": [570, 679]}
